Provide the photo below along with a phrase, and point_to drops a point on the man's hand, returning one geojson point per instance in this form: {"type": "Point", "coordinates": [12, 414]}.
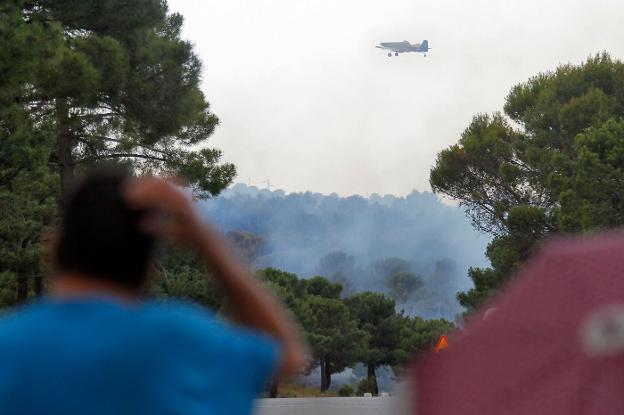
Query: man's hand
{"type": "Point", "coordinates": [171, 216]}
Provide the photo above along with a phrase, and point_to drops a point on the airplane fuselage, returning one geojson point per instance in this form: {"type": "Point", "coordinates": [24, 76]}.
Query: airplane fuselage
{"type": "Point", "coordinates": [405, 47]}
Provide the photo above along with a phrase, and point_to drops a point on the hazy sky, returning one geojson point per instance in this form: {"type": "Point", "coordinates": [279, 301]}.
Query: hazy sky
{"type": "Point", "coordinates": [306, 101]}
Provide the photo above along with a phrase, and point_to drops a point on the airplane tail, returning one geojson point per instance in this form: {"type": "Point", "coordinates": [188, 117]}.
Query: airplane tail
{"type": "Point", "coordinates": [424, 45]}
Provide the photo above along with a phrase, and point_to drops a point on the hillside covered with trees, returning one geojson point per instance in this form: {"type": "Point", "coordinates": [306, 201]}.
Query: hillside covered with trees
{"type": "Point", "coordinates": [415, 249]}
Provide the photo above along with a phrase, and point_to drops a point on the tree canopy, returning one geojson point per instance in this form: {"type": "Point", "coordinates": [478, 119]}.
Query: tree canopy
{"type": "Point", "coordinates": [364, 327]}
{"type": "Point", "coordinates": [118, 83]}
{"type": "Point", "coordinates": [549, 164]}
{"type": "Point", "coordinates": [27, 188]}
{"type": "Point", "coordinates": [376, 316]}
{"type": "Point", "coordinates": [85, 83]}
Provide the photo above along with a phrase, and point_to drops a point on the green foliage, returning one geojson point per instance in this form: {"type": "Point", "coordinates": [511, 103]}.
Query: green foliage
{"type": "Point", "coordinates": [180, 274]}
{"type": "Point", "coordinates": [293, 390]}
{"type": "Point", "coordinates": [403, 285]}
{"type": "Point", "coordinates": [27, 188]}
{"type": "Point", "coordinates": [118, 83]}
{"type": "Point", "coordinates": [322, 287]}
{"type": "Point", "coordinates": [592, 187]}
{"type": "Point", "coordinates": [8, 288]}
{"type": "Point", "coordinates": [394, 274]}
{"type": "Point", "coordinates": [331, 330]}
{"type": "Point", "coordinates": [418, 335]}
{"type": "Point", "coordinates": [332, 333]}
{"type": "Point", "coordinates": [27, 206]}
{"type": "Point", "coordinates": [288, 287]}
{"type": "Point", "coordinates": [366, 386]}
{"type": "Point", "coordinates": [92, 82]}
{"type": "Point", "coordinates": [363, 327]}
{"type": "Point", "coordinates": [345, 391]}
{"type": "Point", "coordinates": [551, 164]}
{"type": "Point", "coordinates": [344, 281]}
{"type": "Point", "coordinates": [376, 316]}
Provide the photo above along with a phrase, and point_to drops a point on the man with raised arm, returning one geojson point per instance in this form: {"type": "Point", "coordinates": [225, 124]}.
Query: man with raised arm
{"type": "Point", "coordinates": [95, 345]}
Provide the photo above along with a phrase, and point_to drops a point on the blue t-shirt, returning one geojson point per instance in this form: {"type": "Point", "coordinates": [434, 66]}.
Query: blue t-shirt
{"type": "Point", "coordinates": [98, 356]}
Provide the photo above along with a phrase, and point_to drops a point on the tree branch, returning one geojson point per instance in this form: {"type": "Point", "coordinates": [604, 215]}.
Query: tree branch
{"type": "Point", "coordinates": [115, 140]}
{"type": "Point", "coordinates": [7, 178]}
{"type": "Point", "coordinates": [117, 156]}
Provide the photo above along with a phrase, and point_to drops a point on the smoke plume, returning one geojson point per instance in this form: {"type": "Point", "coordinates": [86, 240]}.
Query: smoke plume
{"type": "Point", "coordinates": [413, 248]}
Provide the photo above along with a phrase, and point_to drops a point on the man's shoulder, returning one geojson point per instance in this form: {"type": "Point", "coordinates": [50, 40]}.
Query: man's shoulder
{"type": "Point", "coordinates": [20, 318]}
{"type": "Point", "coordinates": [163, 325]}
{"type": "Point", "coordinates": [177, 311]}
{"type": "Point", "coordinates": [151, 318]}
{"type": "Point", "coordinates": [207, 339]}
{"type": "Point", "coordinates": [178, 318]}
{"type": "Point", "coordinates": [184, 320]}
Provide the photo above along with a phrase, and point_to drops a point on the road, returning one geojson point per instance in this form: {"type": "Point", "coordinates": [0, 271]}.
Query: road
{"type": "Point", "coordinates": [327, 406]}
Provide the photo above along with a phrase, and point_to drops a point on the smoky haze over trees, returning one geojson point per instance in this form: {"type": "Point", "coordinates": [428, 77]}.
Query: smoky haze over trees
{"type": "Point", "coordinates": [414, 248]}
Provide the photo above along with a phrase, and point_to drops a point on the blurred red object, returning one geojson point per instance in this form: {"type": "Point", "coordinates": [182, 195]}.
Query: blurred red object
{"type": "Point", "coordinates": [552, 343]}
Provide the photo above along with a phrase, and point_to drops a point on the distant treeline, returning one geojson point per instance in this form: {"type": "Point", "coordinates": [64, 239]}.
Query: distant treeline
{"type": "Point", "coordinates": [414, 249]}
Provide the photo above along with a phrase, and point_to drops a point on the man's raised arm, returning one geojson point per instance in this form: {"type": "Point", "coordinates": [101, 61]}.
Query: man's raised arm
{"type": "Point", "coordinates": [174, 219]}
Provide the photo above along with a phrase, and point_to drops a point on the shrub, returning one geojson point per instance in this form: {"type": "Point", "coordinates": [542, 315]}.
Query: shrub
{"type": "Point", "coordinates": [365, 386]}
{"type": "Point", "coordinates": [345, 390]}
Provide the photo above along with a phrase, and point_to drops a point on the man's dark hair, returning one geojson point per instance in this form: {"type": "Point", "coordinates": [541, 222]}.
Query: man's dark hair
{"type": "Point", "coordinates": [100, 235]}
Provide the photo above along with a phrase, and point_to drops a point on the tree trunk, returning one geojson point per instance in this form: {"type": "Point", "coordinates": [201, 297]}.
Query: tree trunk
{"type": "Point", "coordinates": [322, 367]}
{"type": "Point", "coordinates": [65, 144]}
{"type": "Point", "coordinates": [372, 378]}
{"type": "Point", "coordinates": [274, 388]}
{"type": "Point", "coordinates": [325, 374]}
{"type": "Point", "coordinates": [22, 288]}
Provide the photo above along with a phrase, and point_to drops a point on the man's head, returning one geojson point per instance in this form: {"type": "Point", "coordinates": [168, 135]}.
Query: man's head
{"type": "Point", "coordinates": [100, 236]}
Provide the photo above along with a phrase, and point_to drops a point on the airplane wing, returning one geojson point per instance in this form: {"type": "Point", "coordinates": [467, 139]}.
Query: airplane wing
{"type": "Point", "coordinates": [391, 48]}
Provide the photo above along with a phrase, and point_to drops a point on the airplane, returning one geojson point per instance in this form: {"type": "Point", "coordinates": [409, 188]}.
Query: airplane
{"type": "Point", "coordinates": [404, 47]}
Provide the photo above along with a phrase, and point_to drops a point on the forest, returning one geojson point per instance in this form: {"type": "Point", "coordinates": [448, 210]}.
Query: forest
{"type": "Point", "coordinates": [415, 249]}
